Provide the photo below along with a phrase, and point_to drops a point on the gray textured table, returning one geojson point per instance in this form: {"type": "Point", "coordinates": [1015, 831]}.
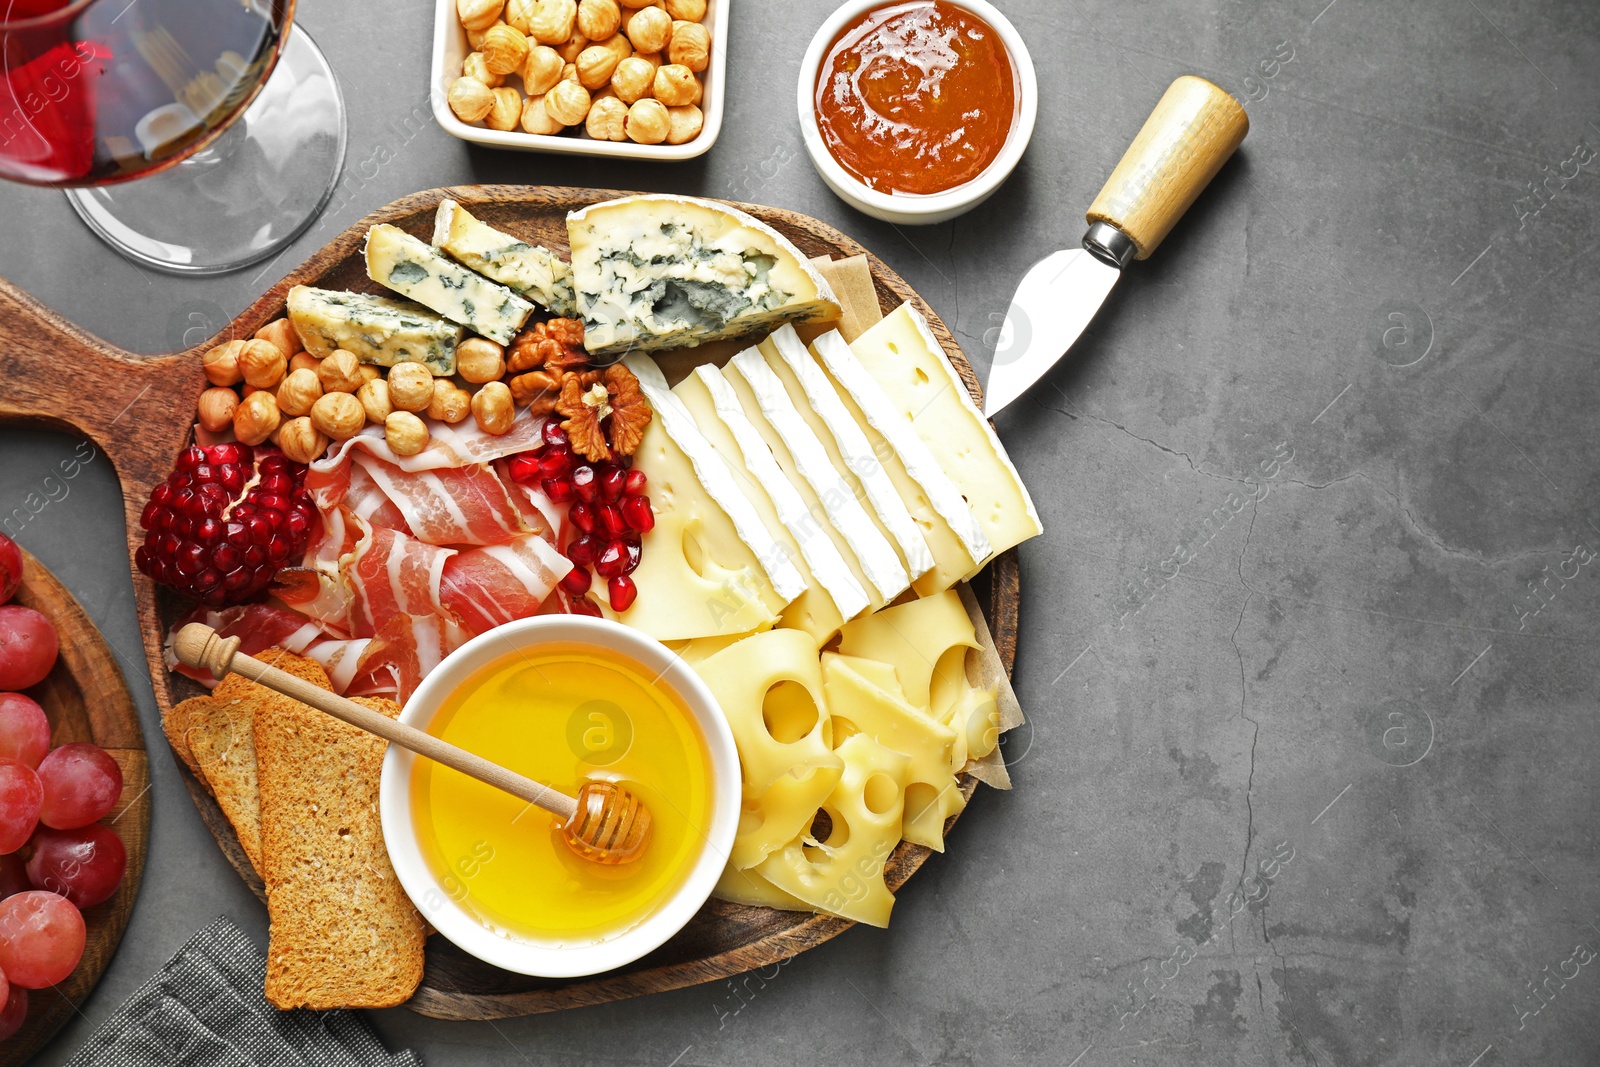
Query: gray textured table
{"type": "Point", "coordinates": [1368, 689]}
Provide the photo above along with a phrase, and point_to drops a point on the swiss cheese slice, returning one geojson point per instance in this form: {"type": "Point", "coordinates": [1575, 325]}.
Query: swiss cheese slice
{"type": "Point", "coordinates": [879, 561]}
{"type": "Point", "coordinates": [932, 793]}
{"type": "Point", "coordinates": [832, 594]}
{"type": "Point", "coordinates": [844, 874]}
{"type": "Point", "coordinates": [926, 640]}
{"type": "Point", "coordinates": [751, 887]}
{"type": "Point", "coordinates": [846, 444]}
{"type": "Point", "coordinates": [951, 530]}
{"type": "Point", "coordinates": [905, 359]}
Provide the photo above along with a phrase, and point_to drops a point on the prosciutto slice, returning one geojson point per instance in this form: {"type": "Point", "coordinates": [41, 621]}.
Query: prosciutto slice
{"type": "Point", "coordinates": [455, 446]}
{"type": "Point", "coordinates": [393, 574]}
{"type": "Point", "coordinates": [258, 627]}
{"type": "Point", "coordinates": [486, 587]}
{"type": "Point", "coordinates": [402, 653]}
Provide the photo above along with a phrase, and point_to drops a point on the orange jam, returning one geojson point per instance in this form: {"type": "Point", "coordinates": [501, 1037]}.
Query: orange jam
{"type": "Point", "coordinates": [916, 97]}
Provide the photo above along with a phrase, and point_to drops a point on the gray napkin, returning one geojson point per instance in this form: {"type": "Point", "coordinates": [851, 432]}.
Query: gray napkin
{"type": "Point", "coordinates": [206, 1008]}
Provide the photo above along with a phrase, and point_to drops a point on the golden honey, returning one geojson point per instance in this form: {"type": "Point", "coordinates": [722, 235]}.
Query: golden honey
{"type": "Point", "coordinates": [561, 714]}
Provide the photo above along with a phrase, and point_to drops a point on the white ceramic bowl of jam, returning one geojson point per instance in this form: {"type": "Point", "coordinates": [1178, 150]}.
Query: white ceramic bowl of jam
{"type": "Point", "coordinates": [561, 699]}
{"type": "Point", "coordinates": [915, 111]}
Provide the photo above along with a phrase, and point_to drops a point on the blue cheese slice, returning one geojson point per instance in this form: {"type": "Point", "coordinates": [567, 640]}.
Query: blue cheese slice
{"type": "Point", "coordinates": [718, 480]}
{"type": "Point", "coordinates": [878, 559]}
{"type": "Point", "coordinates": [657, 272]}
{"type": "Point", "coordinates": [847, 445]}
{"type": "Point", "coordinates": [408, 266]}
{"type": "Point", "coordinates": [532, 271]}
{"type": "Point", "coordinates": [375, 329]}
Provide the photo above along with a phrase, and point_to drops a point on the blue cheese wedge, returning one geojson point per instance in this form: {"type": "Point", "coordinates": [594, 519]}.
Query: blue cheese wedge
{"type": "Point", "coordinates": [532, 271]}
{"type": "Point", "coordinates": [411, 268]}
{"type": "Point", "coordinates": [657, 272]}
{"type": "Point", "coordinates": [375, 329]}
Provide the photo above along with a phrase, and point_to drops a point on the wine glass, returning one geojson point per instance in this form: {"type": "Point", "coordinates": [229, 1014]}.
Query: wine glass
{"type": "Point", "coordinates": [231, 164]}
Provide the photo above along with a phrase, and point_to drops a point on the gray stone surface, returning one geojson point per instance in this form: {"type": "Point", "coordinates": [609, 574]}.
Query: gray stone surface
{"type": "Point", "coordinates": [1348, 686]}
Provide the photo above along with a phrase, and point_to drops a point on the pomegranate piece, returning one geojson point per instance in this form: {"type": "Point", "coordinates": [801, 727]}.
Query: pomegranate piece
{"type": "Point", "coordinates": [524, 467]}
{"type": "Point", "coordinates": [617, 558]}
{"type": "Point", "coordinates": [634, 484]}
{"type": "Point", "coordinates": [638, 514]}
{"type": "Point", "coordinates": [612, 522]}
{"type": "Point", "coordinates": [584, 481]}
{"type": "Point", "coordinates": [584, 606]}
{"type": "Point", "coordinates": [553, 434]}
{"type": "Point", "coordinates": [10, 568]}
{"type": "Point", "coordinates": [556, 461]}
{"type": "Point", "coordinates": [613, 480]}
{"type": "Point", "coordinates": [559, 490]}
{"type": "Point", "coordinates": [621, 592]}
{"type": "Point", "coordinates": [227, 520]}
{"type": "Point", "coordinates": [577, 581]}
{"type": "Point", "coordinates": [583, 551]}
{"type": "Point", "coordinates": [584, 518]}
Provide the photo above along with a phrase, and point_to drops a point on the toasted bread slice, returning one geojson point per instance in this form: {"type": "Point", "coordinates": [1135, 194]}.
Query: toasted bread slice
{"type": "Point", "coordinates": [344, 934]}
{"type": "Point", "coordinates": [176, 725]}
{"type": "Point", "coordinates": [222, 740]}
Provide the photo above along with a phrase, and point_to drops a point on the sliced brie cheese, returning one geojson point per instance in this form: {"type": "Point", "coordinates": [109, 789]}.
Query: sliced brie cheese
{"type": "Point", "coordinates": [814, 397]}
{"type": "Point", "coordinates": [877, 556]}
{"type": "Point", "coordinates": [718, 480]}
{"type": "Point", "coordinates": [530, 270]}
{"type": "Point", "coordinates": [411, 268]}
{"type": "Point", "coordinates": [673, 271]}
{"type": "Point", "coordinates": [376, 329]}
{"type": "Point", "coordinates": [901, 354]}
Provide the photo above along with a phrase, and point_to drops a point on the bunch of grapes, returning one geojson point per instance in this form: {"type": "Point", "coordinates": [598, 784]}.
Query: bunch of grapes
{"type": "Point", "coordinates": [56, 857]}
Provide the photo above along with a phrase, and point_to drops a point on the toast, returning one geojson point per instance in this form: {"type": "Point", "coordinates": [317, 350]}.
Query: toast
{"type": "Point", "coordinates": [222, 740]}
{"type": "Point", "coordinates": [344, 933]}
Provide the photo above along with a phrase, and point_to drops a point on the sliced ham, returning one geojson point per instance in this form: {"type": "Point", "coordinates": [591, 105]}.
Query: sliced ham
{"type": "Point", "coordinates": [448, 506]}
{"type": "Point", "coordinates": [257, 626]}
{"type": "Point", "coordinates": [448, 446]}
{"type": "Point", "coordinates": [486, 587]}
{"type": "Point", "coordinates": [402, 653]}
{"type": "Point", "coordinates": [393, 574]}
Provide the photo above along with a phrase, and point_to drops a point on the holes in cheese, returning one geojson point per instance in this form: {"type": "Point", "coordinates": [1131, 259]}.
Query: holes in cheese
{"type": "Point", "coordinates": [789, 713]}
{"type": "Point", "coordinates": [882, 793]}
{"type": "Point", "coordinates": [920, 639]}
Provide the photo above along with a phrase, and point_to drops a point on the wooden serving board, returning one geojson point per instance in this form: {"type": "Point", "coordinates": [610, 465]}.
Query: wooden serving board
{"type": "Point", "coordinates": [86, 699]}
{"type": "Point", "coordinates": [140, 411]}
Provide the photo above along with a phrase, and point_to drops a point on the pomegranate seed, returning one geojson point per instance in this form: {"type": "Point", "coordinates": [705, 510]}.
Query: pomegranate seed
{"type": "Point", "coordinates": [614, 559]}
{"type": "Point", "coordinates": [583, 481]}
{"type": "Point", "coordinates": [639, 515]}
{"type": "Point", "coordinates": [555, 462]}
{"type": "Point", "coordinates": [611, 520]}
{"type": "Point", "coordinates": [634, 483]}
{"type": "Point", "coordinates": [583, 550]}
{"type": "Point", "coordinates": [635, 553]}
{"type": "Point", "coordinates": [612, 483]}
{"type": "Point", "coordinates": [577, 581]}
{"type": "Point", "coordinates": [583, 517]}
{"type": "Point", "coordinates": [524, 468]}
{"type": "Point", "coordinates": [621, 592]}
{"type": "Point", "coordinates": [584, 606]}
{"type": "Point", "coordinates": [192, 457]}
{"type": "Point", "coordinates": [553, 434]}
{"type": "Point", "coordinates": [558, 490]}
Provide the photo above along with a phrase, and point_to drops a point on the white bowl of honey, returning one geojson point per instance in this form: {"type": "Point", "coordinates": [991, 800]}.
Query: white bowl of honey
{"type": "Point", "coordinates": [562, 699]}
{"type": "Point", "coordinates": [915, 111]}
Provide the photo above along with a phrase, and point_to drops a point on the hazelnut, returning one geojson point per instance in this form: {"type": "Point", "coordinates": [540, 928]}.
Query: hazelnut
{"type": "Point", "coordinates": [475, 37]}
{"type": "Point", "coordinates": [536, 120]}
{"type": "Point", "coordinates": [262, 363]}
{"type": "Point", "coordinates": [374, 397]}
{"type": "Point", "coordinates": [569, 73]}
{"type": "Point", "coordinates": [648, 29]}
{"type": "Point", "coordinates": [407, 435]}
{"type": "Point", "coordinates": [567, 103]}
{"type": "Point", "coordinates": [480, 360]}
{"type": "Point", "coordinates": [410, 387]}
{"type": "Point", "coordinates": [494, 409]}
{"type": "Point", "coordinates": [599, 19]}
{"type": "Point", "coordinates": [216, 408]}
{"type": "Point", "coordinates": [690, 46]}
{"type": "Point", "coordinates": [301, 441]}
{"type": "Point", "coordinates": [570, 51]}
{"type": "Point", "coordinates": [553, 20]}
{"type": "Point", "coordinates": [369, 372]}
{"type": "Point", "coordinates": [652, 58]}
{"type": "Point", "coordinates": [503, 50]}
{"type": "Point", "coordinates": [618, 44]}
{"type": "Point", "coordinates": [475, 68]}
{"type": "Point", "coordinates": [256, 418]}
{"type": "Point", "coordinates": [687, 10]}
{"type": "Point", "coordinates": [298, 392]}
{"type": "Point", "coordinates": [340, 372]}
{"type": "Point", "coordinates": [303, 361]}
{"type": "Point", "coordinates": [684, 123]}
{"type": "Point", "coordinates": [507, 110]}
{"type": "Point", "coordinates": [450, 402]}
{"type": "Point", "coordinates": [648, 122]}
{"type": "Point", "coordinates": [607, 119]}
{"type": "Point", "coordinates": [339, 415]}
{"type": "Point", "coordinates": [470, 99]}
{"type": "Point", "coordinates": [281, 332]}
{"type": "Point", "coordinates": [674, 85]}
{"type": "Point", "coordinates": [636, 4]}
{"type": "Point", "coordinates": [478, 14]}
{"type": "Point", "coordinates": [595, 65]}
{"type": "Point", "coordinates": [632, 79]}
{"type": "Point", "coordinates": [542, 70]}
{"type": "Point", "coordinates": [222, 363]}
{"type": "Point", "coordinates": [519, 14]}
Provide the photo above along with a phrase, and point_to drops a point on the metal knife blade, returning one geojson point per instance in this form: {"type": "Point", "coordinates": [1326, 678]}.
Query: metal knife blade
{"type": "Point", "coordinates": [1053, 305]}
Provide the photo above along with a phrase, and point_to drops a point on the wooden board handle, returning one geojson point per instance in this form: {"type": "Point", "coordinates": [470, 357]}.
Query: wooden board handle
{"type": "Point", "coordinates": [201, 647]}
{"type": "Point", "coordinates": [1185, 141]}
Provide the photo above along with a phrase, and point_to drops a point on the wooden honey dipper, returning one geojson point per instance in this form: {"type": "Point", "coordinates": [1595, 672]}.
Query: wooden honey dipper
{"type": "Point", "coordinates": [604, 823]}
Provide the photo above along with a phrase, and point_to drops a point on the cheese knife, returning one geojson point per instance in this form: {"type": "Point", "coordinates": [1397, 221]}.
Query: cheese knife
{"type": "Point", "coordinates": [1192, 132]}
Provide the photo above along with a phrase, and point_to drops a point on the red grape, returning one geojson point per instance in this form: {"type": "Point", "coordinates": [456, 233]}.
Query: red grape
{"type": "Point", "coordinates": [41, 938]}
{"type": "Point", "coordinates": [27, 647]}
{"type": "Point", "coordinates": [21, 795]}
{"type": "Point", "coordinates": [10, 568]}
{"type": "Point", "coordinates": [84, 865]}
{"type": "Point", "coordinates": [24, 730]}
{"type": "Point", "coordinates": [13, 875]}
{"type": "Point", "coordinates": [81, 785]}
{"type": "Point", "coordinates": [15, 1013]}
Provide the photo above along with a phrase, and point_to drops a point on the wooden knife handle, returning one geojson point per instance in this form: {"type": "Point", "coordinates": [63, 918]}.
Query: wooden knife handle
{"type": "Point", "coordinates": [1185, 141]}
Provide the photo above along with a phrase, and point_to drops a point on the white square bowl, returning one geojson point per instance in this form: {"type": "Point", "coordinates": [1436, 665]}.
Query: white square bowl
{"type": "Point", "coordinates": [450, 48]}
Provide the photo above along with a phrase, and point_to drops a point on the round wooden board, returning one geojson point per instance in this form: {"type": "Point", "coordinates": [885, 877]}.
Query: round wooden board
{"type": "Point", "coordinates": [87, 700]}
{"type": "Point", "coordinates": [724, 939]}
